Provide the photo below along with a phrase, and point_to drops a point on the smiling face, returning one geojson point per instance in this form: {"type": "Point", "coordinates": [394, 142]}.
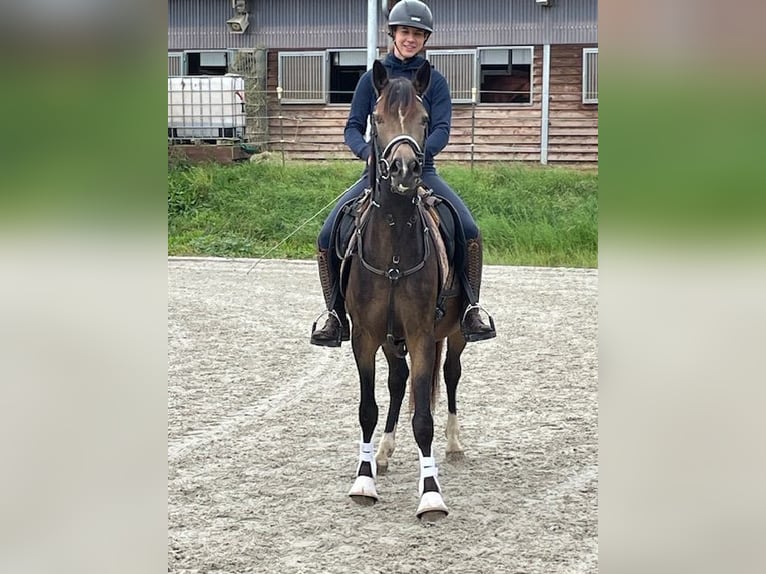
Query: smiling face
{"type": "Point", "coordinates": [408, 42]}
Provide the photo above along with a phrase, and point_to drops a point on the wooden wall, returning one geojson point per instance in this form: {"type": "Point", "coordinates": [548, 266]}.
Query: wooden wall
{"type": "Point", "coordinates": [573, 126]}
{"type": "Point", "coordinates": [500, 132]}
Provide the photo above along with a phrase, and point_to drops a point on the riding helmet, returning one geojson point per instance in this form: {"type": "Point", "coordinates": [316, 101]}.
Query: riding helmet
{"type": "Point", "coordinates": [412, 13]}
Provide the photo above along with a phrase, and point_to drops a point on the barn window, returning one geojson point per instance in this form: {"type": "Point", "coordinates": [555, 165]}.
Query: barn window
{"type": "Point", "coordinates": [505, 75]}
{"type": "Point", "coordinates": [209, 63]}
{"type": "Point", "coordinates": [302, 77]}
{"type": "Point", "coordinates": [459, 69]}
{"type": "Point", "coordinates": [590, 76]}
{"type": "Point", "coordinates": [345, 68]}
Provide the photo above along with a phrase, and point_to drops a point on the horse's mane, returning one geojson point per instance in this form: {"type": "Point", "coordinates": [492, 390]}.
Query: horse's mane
{"type": "Point", "coordinates": [399, 93]}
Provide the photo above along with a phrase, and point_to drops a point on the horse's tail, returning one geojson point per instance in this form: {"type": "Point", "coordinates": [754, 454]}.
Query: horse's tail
{"type": "Point", "coordinates": [434, 377]}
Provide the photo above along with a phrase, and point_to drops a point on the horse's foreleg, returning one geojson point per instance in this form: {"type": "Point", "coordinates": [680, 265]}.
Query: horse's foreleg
{"type": "Point", "coordinates": [363, 490]}
{"type": "Point", "coordinates": [452, 372]}
{"type": "Point", "coordinates": [431, 505]}
{"type": "Point", "coordinates": [397, 383]}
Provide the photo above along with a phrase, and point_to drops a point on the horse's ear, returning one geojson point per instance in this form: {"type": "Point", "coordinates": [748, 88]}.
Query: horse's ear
{"type": "Point", "coordinates": [422, 78]}
{"type": "Point", "coordinates": [379, 76]}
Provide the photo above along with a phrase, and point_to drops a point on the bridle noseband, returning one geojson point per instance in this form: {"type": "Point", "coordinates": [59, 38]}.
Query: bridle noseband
{"type": "Point", "coordinates": [384, 166]}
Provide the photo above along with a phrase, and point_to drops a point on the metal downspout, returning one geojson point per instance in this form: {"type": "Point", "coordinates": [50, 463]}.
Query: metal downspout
{"type": "Point", "coordinates": [546, 104]}
{"type": "Point", "coordinates": [372, 32]}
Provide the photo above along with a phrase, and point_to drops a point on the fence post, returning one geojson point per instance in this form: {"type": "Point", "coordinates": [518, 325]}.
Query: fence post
{"type": "Point", "coordinates": [473, 121]}
{"type": "Point", "coordinates": [281, 125]}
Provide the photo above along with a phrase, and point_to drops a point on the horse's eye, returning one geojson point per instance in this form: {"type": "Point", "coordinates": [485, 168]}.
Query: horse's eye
{"type": "Point", "coordinates": [424, 121]}
{"type": "Point", "coordinates": [376, 118]}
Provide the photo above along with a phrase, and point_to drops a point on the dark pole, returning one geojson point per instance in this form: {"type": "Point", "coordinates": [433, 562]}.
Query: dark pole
{"type": "Point", "coordinates": [281, 125]}
{"type": "Point", "coordinates": [473, 122]}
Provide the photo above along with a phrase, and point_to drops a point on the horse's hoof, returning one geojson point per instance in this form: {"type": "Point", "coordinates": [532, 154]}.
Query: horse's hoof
{"type": "Point", "coordinates": [382, 466]}
{"type": "Point", "coordinates": [432, 507]}
{"type": "Point", "coordinates": [363, 491]}
{"type": "Point", "coordinates": [432, 516]}
{"type": "Point", "coordinates": [363, 500]}
{"type": "Point", "coordinates": [455, 456]}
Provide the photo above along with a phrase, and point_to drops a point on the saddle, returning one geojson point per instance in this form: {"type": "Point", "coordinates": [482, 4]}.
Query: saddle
{"type": "Point", "coordinates": [441, 218]}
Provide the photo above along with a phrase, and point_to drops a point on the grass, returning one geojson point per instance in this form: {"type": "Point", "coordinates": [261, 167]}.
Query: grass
{"type": "Point", "coordinates": [529, 215]}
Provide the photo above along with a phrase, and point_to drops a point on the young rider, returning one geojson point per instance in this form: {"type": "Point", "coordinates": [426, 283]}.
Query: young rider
{"type": "Point", "coordinates": [410, 24]}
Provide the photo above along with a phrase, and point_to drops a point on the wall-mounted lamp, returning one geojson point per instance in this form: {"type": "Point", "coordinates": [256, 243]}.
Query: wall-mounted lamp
{"type": "Point", "coordinates": [239, 23]}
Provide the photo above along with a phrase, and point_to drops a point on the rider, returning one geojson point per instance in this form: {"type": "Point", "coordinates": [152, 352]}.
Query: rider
{"type": "Point", "coordinates": [410, 24]}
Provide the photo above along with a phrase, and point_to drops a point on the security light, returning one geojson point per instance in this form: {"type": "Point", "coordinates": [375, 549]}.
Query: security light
{"type": "Point", "coordinates": [238, 24]}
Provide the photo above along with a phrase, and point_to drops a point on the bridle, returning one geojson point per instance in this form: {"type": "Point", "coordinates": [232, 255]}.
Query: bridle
{"type": "Point", "coordinates": [381, 162]}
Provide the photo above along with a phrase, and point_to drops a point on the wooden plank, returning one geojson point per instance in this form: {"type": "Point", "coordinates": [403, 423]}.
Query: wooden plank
{"type": "Point", "coordinates": [308, 121]}
{"type": "Point", "coordinates": [575, 131]}
{"type": "Point", "coordinates": [315, 155]}
{"type": "Point", "coordinates": [491, 157]}
{"type": "Point", "coordinates": [501, 132]}
{"type": "Point", "coordinates": [573, 114]}
{"type": "Point", "coordinates": [565, 89]}
{"type": "Point", "coordinates": [495, 112]}
{"type": "Point", "coordinates": [498, 140]}
{"type": "Point", "coordinates": [289, 112]}
{"type": "Point", "coordinates": [317, 145]}
{"type": "Point", "coordinates": [554, 140]}
{"type": "Point", "coordinates": [572, 149]}
{"type": "Point", "coordinates": [508, 123]}
{"type": "Point", "coordinates": [319, 134]}
{"type": "Point", "coordinates": [573, 159]}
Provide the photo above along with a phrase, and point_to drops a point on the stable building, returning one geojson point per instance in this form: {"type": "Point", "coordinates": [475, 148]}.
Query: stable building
{"type": "Point", "coordinates": [523, 73]}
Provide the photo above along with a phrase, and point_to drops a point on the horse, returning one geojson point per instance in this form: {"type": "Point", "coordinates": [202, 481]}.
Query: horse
{"type": "Point", "coordinates": [393, 293]}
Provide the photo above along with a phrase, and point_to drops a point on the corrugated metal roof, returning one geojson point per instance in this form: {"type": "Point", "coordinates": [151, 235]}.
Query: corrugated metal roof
{"type": "Point", "coordinates": [307, 24]}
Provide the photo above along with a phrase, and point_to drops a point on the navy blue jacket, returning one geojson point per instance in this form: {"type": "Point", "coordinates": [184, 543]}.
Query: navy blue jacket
{"type": "Point", "coordinates": [437, 101]}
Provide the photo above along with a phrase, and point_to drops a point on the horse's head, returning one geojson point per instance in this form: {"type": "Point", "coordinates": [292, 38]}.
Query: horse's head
{"type": "Point", "coordinates": [399, 127]}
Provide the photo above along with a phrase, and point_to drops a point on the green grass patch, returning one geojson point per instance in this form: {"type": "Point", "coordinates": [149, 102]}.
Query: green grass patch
{"type": "Point", "coordinates": [528, 215]}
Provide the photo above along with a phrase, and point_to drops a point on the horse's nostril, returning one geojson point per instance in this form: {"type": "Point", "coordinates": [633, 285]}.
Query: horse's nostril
{"type": "Point", "coordinates": [396, 167]}
{"type": "Point", "coordinates": [415, 167]}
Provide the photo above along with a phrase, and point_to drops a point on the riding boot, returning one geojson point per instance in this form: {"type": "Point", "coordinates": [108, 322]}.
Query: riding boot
{"type": "Point", "coordinates": [474, 328]}
{"type": "Point", "coordinates": [336, 327]}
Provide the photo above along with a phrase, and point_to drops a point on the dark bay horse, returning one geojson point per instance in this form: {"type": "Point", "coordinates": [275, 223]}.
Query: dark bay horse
{"type": "Point", "coordinates": [391, 297]}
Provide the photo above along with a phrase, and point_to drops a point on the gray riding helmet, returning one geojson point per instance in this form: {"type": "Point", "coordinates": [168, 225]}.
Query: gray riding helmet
{"type": "Point", "coordinates": [412, 13]}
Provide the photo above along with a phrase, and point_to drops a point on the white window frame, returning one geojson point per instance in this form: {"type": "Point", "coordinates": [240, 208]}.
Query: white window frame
{"type": "Point", "coordinates": [321, 57]}
{"type": "Point", "coordinates": [325, 74]}
{"type": "Point", "coordinates": [473, 74]}
{"type": "Point", "coordinates": [586, 73]}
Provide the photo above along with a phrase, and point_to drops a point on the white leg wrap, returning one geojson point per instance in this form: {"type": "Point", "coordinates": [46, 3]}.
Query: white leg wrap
{"type": "Point", "coordinates": [366, 454]}
{"type": "Point", "coordinates": [428, 469]}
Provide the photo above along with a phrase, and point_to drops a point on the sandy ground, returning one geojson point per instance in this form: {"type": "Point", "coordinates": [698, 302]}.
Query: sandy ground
{"type": "Point", "coordinates": [263, 431]}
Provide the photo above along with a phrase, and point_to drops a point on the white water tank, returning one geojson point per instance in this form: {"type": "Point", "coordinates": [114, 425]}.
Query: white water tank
{"type": "Point", "coordinates": [206, 107]}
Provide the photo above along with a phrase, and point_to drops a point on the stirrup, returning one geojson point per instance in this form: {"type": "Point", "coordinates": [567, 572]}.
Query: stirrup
{"type": "Point", "coordinates": [327, 342]}
{"type": "Point", "coordinates": [482, 336]}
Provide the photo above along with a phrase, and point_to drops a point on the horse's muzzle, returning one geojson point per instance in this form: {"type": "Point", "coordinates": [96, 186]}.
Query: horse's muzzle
{"type": "Point", "coordinates": [405, 175]}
